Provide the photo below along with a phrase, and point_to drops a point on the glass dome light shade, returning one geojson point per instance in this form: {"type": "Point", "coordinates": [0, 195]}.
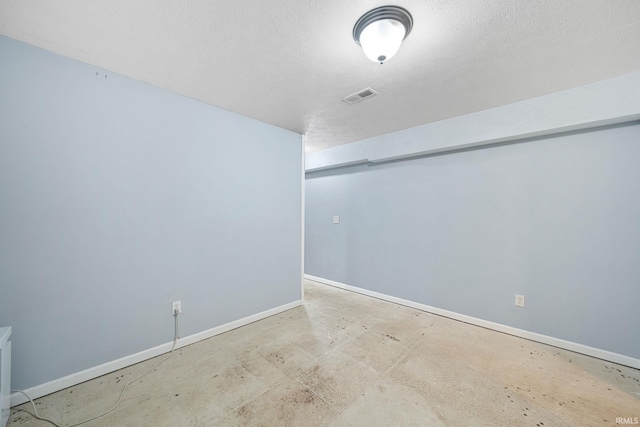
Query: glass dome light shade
{"type": "Point", "coordinates": [380, 40]}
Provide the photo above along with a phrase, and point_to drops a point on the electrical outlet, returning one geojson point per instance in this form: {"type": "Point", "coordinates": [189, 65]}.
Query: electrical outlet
{"type": "Point", "coordinates": [520, 300]}
{"type": "Point", "coordinates": [336, 219]}
{"type": "Point", "coordinates": [176, 307]}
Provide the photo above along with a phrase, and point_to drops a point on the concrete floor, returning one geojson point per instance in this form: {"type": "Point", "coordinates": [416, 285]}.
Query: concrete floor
{"type": "Point", "coordinates": [345, 359]}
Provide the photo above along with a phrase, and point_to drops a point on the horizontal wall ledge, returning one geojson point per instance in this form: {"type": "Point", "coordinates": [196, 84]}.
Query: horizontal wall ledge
{"type": "Point", "coordinates": [607, 102]}
{"type": "Point", "coordinates": [339, 165]}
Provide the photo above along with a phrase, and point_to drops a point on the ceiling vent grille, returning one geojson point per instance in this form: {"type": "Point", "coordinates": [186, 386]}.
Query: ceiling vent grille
{"type": "Point", "coordinates": [359, 96]}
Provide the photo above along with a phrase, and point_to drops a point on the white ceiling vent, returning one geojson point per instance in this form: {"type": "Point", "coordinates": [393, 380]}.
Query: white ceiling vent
{"type": "Point", "coordinates": [359, 96]}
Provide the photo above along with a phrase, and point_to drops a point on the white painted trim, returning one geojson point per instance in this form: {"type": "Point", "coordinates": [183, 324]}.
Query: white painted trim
{"type": "Point", "coordinates": [544, 339]}
{"type": "Point", "coordinates": [302, 218]}
{"type": "Point", "coordinates": [114, 365]}
{"type": "Point", "coordinates": [336, 164]}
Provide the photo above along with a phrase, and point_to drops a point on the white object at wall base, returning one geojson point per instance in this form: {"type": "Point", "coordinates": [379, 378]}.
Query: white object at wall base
{"type": "Point", "coordinates": [5, 374]}
{"type": "Point", "coordinates": [544, 339]}
{"type": "Point", "coordinates": [105, 368]}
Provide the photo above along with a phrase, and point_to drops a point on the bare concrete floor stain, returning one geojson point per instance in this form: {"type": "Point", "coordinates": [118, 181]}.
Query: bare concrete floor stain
{"type": "Point", "coordinates": [345, 359]}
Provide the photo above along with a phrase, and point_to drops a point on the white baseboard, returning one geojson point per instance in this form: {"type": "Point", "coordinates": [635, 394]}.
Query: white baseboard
{"type": "Point", "coordinates": [105, 368]}
{"type": "Point", "coordinates": [544, 339]}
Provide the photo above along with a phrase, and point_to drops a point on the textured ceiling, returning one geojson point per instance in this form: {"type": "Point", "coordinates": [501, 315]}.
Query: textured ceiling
{"type": "Point", "coordinates": [290, 62]}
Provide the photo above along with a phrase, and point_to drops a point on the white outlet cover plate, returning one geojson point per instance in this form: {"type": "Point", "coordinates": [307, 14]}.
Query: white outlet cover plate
{"type": "Point", "coordinates": [520, 300]}
{"type": "Point", "coordinates": [336, 219]}
{"type": "Point", "coordinates": [176, 306]}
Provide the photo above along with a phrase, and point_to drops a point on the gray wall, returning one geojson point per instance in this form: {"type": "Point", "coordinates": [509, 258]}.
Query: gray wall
{"type": "Point", "coordinates": [117, 198]}
{"type": "Point", "coordinates": [555, 219]}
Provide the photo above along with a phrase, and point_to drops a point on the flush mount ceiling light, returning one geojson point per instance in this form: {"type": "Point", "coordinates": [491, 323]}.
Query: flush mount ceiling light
{"type": "Point", "coordinates": [381, 31]}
